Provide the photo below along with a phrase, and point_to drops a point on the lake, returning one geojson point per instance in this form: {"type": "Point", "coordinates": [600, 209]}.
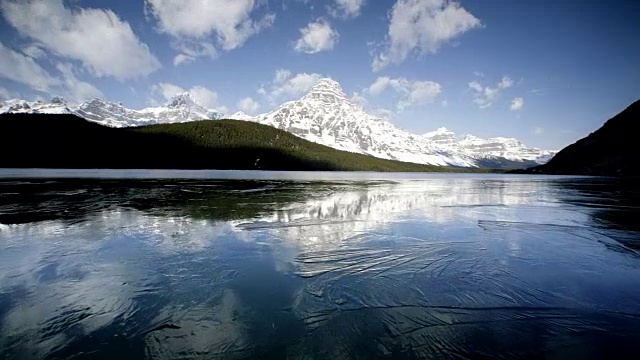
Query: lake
{"type": "Point", "coordinates": [245, 265]}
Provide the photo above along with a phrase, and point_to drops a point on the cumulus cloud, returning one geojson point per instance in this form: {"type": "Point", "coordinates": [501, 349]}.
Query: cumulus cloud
{"type": "Point", "coordinates": [422, 26]}
{"type": "Point", "coordinates": [205, 97]}
{"type": "Point", "coordinates": [199, 94]}
{"type": "Point", "coordinates": [192, 22]}
{"type": "Point", "coordinates": [25, 70]}
{"type": "Point", "coordinates": [346, 8]}
{"type": "Point", "coordinates": [287, 85]}
{"type": "Point", "coordinates": [316, 37]}
{"type": "Point", "coordinates": [99, 39]}
{"type": "Point", "coordinates": [412, 92]}
{"type": "Point", "coordinates": [248, 106]}
{"type": "Point", "coordinates": [517, 104]}
{"type": "Point", "coordinates": [485, 96]}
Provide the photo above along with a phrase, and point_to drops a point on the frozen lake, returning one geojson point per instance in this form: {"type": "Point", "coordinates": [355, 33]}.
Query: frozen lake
{"type": "Point", "coordinates": [245, 265]}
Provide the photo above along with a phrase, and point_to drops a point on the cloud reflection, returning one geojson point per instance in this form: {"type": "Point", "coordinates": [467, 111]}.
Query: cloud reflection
{"type": "Point", "coordinates": [285, 268]}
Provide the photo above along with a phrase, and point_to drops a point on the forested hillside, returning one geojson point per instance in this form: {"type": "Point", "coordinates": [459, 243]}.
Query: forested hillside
{"type": "Point", "coordinates": [67, 141]}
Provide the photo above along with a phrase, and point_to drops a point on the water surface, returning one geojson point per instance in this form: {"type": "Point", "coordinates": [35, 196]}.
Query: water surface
{"type": "Point", "coordinates": [242, 265]}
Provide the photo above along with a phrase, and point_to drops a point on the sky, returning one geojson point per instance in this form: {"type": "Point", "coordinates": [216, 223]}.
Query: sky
{"type": "Point", "coordinates": [545, 72]}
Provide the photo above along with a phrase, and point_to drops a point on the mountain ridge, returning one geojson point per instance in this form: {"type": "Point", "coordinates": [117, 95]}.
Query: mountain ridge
{"type": "Point", "coordinates": [610, 150]}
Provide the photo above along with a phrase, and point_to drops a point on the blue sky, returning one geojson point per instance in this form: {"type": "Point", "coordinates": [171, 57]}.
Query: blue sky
{"type": "Point", "coordinates": [547, 73]}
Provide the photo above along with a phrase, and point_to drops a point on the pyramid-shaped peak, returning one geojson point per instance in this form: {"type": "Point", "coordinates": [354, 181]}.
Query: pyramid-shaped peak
{"type": "Point", "coordinates": [327, 89]}
{"type": "Point", "coordinates": [328, 82]}
{"type": "Point", "coordinates": [325, 84]}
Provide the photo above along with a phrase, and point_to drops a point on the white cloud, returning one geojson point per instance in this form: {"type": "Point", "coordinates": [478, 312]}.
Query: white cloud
{"type": "Point", "coordinates": [23, 69]}
{"type": "Point", "coordinates": [316, 37]}
{"type": "Point", "coordinates": [382, 113]}
{"type": "Point", "coordinates": [412, 92]}
{"type": "Point", "coordinates": [76, 91]}
{"type": "Point", "coordinates": [484, 97]}
{"type": "Point", "coordinates": [379, 85]}
{"type": "Point", "coordinates": [538, 130]}
{"type": "Point", "coordinates": [182, 59]}
{"type": "Point", "coordinates": [248, 106]}
{"type": "Point", "coordinates": [167, 91]}
{"type": "Point", "coordinates": [99, 39]}
{"type": "Point", "coordinates": [359, 99]}
{"type": "Point", "coordinates": [475, 86]}
{"type": "Point", "coordinates": [204, 96]}
{"type": "Point", "coordinates": [34, 51]}
{"type": "Point", "coordinates": [346, 8]}
{"type": "Point", "coordinates": [192, 48]}
{"type": "Point", "coordinates": [422, 26]}
{"type": "Point", "coordinates": [517, 104]}
{"type": "Point", "coordinates": [478, 73]}
{"type": "Point", "coordinates": [444, 103]}
{"type": "Point", "coordinates": [288, 85]}
{"type": "Point", "coordinates": [200, 94]}
{"type": "Point", "coordinates": [192, 22]}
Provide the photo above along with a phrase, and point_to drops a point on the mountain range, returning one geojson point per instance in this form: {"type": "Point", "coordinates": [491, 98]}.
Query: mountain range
{"type": "Point", "coordinates": [326, 116]}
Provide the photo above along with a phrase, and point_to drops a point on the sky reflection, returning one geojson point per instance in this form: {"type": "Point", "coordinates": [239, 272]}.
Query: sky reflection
{"type": "Point", "coordinates": [279, 269]}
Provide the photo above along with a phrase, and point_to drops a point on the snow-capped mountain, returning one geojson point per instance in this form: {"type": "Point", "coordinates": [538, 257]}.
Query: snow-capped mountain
{"type": "Point", "coordinates": [55, 106]}
{"type": "Point", "coordinates": [508, 148]}
{"type": "Point", "coordinates": [325, 116]}
{"type": "Point", "coordinates": [182, 108]}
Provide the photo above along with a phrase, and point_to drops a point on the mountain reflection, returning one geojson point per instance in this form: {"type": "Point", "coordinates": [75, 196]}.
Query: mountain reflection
{"type": "Point", "coordinates": [326, 221]}
{"type": "Point", "coordinates": [437, 267]}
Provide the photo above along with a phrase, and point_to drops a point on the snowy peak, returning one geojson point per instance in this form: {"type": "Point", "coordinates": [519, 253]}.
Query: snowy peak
{"type": "Point", "coordinates": [327, 91]}
{"type": "Point", "coordinates": [325, 115]}
{"type": "Point", "coordinates": [442, 136]}
{"type": "Point", "coordinates": [183, 100]}
{"type": "Point", "coordinates": [327, 85]}
{"type": "Point", "coordinates": [55, 106]}
{"type": "Point", "coordinates": [181, 108]}
{"type": "Point", "coordinates": [240, 115]}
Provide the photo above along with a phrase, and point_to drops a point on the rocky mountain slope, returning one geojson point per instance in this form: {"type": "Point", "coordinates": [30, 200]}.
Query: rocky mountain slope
{"type": "Point", "coordinates": [182, 108]}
